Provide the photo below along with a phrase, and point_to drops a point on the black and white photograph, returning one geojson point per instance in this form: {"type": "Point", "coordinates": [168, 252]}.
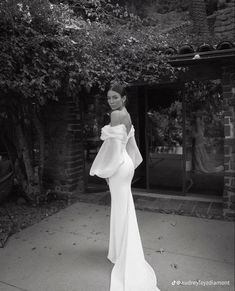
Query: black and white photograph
{"type": "Point", "coordinates": [117, 145]}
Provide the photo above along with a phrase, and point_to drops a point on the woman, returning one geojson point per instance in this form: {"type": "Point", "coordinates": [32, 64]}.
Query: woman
{"type": "Point", "coordinates": [202, 161]}
{"type": "Point", "coordinates": [116, 161]}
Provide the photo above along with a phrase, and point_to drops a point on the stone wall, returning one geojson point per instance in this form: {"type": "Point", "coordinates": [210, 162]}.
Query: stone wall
{"type": "Point", "coordinates": [228, 82]}
{"type": "Point", "coordinates": [222, 22]}
{"type": "Point", "coordinates": [64, 163]}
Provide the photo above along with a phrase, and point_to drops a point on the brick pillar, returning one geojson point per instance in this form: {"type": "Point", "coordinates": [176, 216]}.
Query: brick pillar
{"type": "Point", "coordinates": [198, 14]}
{"type": "Point", "coordinates": [75, 152]}
{"type": "Point", "coordinates": [64, 162]}
{"type": "Point", "coordinates": [228, 83]}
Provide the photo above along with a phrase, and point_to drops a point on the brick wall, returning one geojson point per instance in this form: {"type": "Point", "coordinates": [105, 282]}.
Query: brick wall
{"type": "Point", "coordinates": [228, 82]}
{"type": "Point", "coordinates": [198, 14]}
{"type": "Point", "coordinates": [64, 148]}
{"type": "Point", "coordinates": [75, 151]}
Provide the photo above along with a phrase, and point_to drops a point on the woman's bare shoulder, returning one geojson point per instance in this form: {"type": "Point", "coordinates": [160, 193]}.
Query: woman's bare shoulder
{"type": "Point", "coordinates": [115, 113]}
{"type": "Point", "coordinates": [120, 117]}
{"type": "Point", "coordinates": [115, 117]}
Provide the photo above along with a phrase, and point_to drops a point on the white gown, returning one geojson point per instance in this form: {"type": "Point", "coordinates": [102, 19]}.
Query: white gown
{"type": "Point", "coordinates": [117, 159]}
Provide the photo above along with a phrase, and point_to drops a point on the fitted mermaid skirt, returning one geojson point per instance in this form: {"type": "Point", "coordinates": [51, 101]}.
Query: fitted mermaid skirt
{"type": "Point", "coordinates": [131, 271]}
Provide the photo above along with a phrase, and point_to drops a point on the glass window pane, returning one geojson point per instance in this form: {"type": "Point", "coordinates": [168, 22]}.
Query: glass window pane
{"type": "Point", "coordinates": [165, 139]}
{"type": "Point", "coordinates": [204, 137]}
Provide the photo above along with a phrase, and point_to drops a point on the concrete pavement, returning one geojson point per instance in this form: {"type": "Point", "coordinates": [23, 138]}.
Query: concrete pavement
{"type": "Point", "coordinates": [68, 252]}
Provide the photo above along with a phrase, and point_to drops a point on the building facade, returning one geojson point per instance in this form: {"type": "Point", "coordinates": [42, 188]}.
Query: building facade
{"type": "Point", "coordinates": [164, 119]}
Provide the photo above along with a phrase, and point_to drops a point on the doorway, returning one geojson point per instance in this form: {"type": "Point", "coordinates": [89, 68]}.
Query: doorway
{"type": "Point", "coordinates": [161, 136]}
{"type": "Point", "coordinates": [172, 163]}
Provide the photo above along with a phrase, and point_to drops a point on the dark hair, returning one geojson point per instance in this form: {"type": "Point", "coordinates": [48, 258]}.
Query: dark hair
{"type": "Point", "coordinates": [118, 88]}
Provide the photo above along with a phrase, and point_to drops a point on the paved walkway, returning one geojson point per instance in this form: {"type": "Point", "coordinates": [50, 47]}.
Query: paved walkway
{"type": "Point", "coordinates": [197, 206]}
{"type": "Point", "coordinates": [68, 251]}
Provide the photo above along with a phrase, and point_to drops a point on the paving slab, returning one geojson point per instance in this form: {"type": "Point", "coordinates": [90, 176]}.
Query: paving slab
{"type": "Point", "coordinates": [68, 252]}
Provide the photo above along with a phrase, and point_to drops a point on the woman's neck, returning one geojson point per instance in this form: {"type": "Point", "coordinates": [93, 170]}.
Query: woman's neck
{"type": "Point", "coordinates": [123, 108]}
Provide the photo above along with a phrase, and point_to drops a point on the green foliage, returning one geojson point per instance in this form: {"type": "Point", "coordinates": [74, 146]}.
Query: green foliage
{"type": "Point", "coordinates": [125, 54]}
{"type": "Point", "coordinates": [168, 123]}
{"type": "Point", "coordinates": [108, 12]}
{"type": "Point", "coordinates": [206, 94]}
{"type": "Point", "coordinates": [35, 59]}
{"type": "Point", "coordinates": [46, 48]}
{"type": "Point", "coordinates": [206, 99]}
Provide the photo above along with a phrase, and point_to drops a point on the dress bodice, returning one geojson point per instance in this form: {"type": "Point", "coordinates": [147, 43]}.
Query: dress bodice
{"type": "Point", "coordinates": [119, 131]}
{"type": "Point", "coordinates": [111, 153]}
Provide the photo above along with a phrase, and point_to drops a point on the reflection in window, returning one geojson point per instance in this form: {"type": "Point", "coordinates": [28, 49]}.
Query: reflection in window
{"type": "Point", "coordinates": [165, 139]}
{"type": "Point", "coordinates": [204, 136]}
{"type": "Point", "coordinates": [205, 147]}
{"type": "Point", "coordinates": [165, 129]}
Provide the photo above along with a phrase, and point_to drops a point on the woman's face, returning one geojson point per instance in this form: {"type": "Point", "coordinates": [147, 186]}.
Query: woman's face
{"type": "Point", "coordinates": [115, 100]}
